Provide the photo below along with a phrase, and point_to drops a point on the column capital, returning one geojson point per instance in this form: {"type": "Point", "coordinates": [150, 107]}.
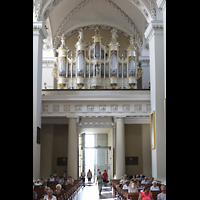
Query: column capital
{"type": "Point", "coordinates": [119, 119]}
{"type": "Point", "coordinates": [155, 27]}
{"type": "Point", "coordinates": [39, 29]}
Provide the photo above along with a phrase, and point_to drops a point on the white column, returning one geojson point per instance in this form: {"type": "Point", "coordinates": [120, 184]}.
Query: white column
{"type": "Point", "coordinates": [120, 148]}
{"type": "Point", "coordinates": [154, 35]}
{"type": "Point", "coordinates": [39, 33]}
{"type": "Point", "coordinates": [72, 161]}
{"type": "Point", "coordinates": [162, 5]}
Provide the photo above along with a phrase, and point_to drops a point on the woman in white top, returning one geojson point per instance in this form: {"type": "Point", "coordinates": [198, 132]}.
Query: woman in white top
{"type": "Point", "coordinates": [126, 185]}
{"type": "Point", "coordinates": [154, 187]}
{"type": "Point", "coordinates": [132, 189]}
{"type": "Point", "coordinates": [49, 195]}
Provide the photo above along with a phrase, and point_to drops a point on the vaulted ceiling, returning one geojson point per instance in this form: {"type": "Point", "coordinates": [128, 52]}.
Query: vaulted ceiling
{"type": "Point", "coordinates": [128, 16]}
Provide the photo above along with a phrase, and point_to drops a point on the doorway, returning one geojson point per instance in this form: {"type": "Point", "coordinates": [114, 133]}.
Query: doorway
{"type": "Point", "coordinates": [95, 152]}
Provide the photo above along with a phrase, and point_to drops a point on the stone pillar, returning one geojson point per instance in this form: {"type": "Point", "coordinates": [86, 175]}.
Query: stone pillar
{"type": "Point", "coordinates": [154, 35]}
{"type": "Point", "coordinates": [39, 33]}
{"type": "Point", "coordinates": [72, 161]}
{"type": "Point", "coordinates": [120, 148]}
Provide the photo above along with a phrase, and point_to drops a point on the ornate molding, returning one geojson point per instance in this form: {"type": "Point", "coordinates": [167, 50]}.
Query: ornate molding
{"type": "Point", "coordinates": [152, 9]}
{"type": "Point", "coordinates": [155, 27]}
{"type": "Point", "coordinates": [77, 8]}
{"type": "Point", "coordinates": [39, 29]}
{"type": "Point", "coordinates": [38, 10]}
{"type": "Point", "coordinates": [161, 4]}
{"type": "Point", "coordinates": [83, 4]}
{"type": "Point", "coordinates": [135, 31]}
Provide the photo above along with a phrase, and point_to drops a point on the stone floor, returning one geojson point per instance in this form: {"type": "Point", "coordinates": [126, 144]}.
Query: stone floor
{"type": "Point", "coordinates": [90, 192]}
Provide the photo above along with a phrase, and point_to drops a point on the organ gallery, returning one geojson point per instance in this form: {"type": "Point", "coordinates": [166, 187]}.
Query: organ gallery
{"type": "Point", "coordinates": [97, 65]}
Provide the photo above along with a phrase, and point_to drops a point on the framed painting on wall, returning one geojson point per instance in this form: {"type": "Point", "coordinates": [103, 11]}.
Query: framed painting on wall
{"type": "Point", "coordinates": [152, 129]}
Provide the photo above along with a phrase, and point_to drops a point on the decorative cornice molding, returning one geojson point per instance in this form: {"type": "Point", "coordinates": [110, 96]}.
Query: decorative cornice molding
{"type": "Point", "coordinates": [161, 4]}
{"type": "Point", "coordinates": [38, 10]}
{"type": "Point", "coordinates": [39, 28]}
{"type": "Point", "coordinates": [155, 27]}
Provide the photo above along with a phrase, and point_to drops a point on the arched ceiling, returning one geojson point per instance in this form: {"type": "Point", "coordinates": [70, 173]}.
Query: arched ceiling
{"type": "Point", "coordinates": [129, 16]}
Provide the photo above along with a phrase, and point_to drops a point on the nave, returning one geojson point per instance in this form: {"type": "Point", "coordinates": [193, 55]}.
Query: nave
{"type": "Point", "coordinates": [90, 192]}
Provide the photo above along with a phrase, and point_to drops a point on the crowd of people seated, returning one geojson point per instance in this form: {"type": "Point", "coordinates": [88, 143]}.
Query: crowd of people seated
{"type": "Point", "coordinates": [50, 192]}
{"type": "Point", "coordinates": [142, 185]}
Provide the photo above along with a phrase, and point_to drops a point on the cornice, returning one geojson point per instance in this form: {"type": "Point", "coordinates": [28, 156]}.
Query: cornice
{"type": "Point", "coordinates": [155, 27]}
{"type": "Point", "coordinates": [39, 29]}
{"type": "Point", "coordinates": [161, 4]}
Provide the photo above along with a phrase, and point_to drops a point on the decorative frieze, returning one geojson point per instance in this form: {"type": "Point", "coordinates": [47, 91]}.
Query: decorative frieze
{"type": "Point", "coordinates": [126, 107]}
{"type": "Point", "coordinates": [55, 108]}
{"type": "Point", "coordinates": [114, 108]}
{"type": "Point", "coordinates": [66, 108]}
{"type": "Point", "coordinates": [70, 104]}
{"type": "Point", "coordinates": [90, 108]}
{"type": "Point", "coordinates": [102, 108]}
{"type": "Point", "coordinates": [97, 108]}
{"type": "Point", "coordinates": [138, 107]}
{"type": "Point", "coordinates": [44, 108]}
{"type": "Point", "coordinates": [78, 107]}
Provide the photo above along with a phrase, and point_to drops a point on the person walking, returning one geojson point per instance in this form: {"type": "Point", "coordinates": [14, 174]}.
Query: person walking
{"type": "Point", "coordinates": [83, 177]}
{"type": "Point", "coordinates": [100, 181]}
{"type": "Point", "coordinates": [105, 178]}
{"type": "Point", "coordinates": [89, 176]}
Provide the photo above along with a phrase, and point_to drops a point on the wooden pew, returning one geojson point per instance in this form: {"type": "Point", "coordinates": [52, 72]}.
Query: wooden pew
{"type": "Point", "coordinates": [154, 194]}
{"type": "Point", "coordinates": [53, 184]}
{"type": "Point", "coordinates": [114, 183]}
{"type": "Point", "coordinates": [70, 190]}
{"type": "Point", "coordinates": [39, 190]}
{"type": "Point", "coordinates": [134, 196]}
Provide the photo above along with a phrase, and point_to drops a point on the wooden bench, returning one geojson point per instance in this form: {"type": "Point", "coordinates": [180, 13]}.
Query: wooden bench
{"type": "Point", "coordinates": [69, 192]}
{"type": "Point", "coordinates": [132, 196]}
{"type": "Point", "coordinates": [155, 194]}
{"type": "Point", "coordinates": [39, 190]}
{"type": "Point", "coordinates": [135, 196]}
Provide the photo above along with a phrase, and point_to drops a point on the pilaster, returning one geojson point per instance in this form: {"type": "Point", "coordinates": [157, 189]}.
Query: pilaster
{"type": "Point", "coordinates": [154, 35]}
{"type": "Point", "coordinates": [39, 33]}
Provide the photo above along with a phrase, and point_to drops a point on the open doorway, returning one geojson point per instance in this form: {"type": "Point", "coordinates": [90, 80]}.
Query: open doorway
{"type": "Point", "coordinates": [96, 152]}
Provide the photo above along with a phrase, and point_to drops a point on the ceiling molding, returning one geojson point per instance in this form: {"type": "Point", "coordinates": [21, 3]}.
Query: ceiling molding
{"type": "Point", "coordinates": [83, 4]}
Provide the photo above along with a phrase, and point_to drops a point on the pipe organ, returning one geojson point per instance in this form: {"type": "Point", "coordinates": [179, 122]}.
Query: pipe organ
{"type": "Point", "coordinates": [97, 65]}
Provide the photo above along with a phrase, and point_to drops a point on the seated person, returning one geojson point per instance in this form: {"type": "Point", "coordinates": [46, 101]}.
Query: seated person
{"type": "Point", "coordinates": [62, 184]}
{"type": "Point", "coordinates": [138, 177]}
{"type": "Point", "coordinates": [146, 194]}
{"type": "Point", "coordinates": [151, 180]}
{"type": "Point", "coordinates": [145, 181]}
{"type": "Point", "coordinates": [138, 185]}
{"type": "Point", "coordinates": [45, 191]}
{"type": "Point", "coordinates": [58, 189]}
{"type": "Point", "coordinates": [51, 178]}
{"type": "Point", "coordinates": [49, 195]}
{"type": "Point", "coordinates": [38, 182]}
{"type": "Point", "coordinates": [122, 181]}
{"type": "Point", "coordinates": [126, 185]}
{"type": "Point", "coordinates": [57, 178]}
{"type": "Point", "coordinates": [162, 195]}
{"type": "Point", "coordinates": [34, 192]}
{"type": "Point", "coordinates": [44, 183]}
{"type": "Point", "coordinates": [69, 181]}
{"type": "Point", "coordinates": [154, 187]}
{"type": "Point", "coordinates": [132, 189]}
{"type": "Point", "coordinates": [134, 178]}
